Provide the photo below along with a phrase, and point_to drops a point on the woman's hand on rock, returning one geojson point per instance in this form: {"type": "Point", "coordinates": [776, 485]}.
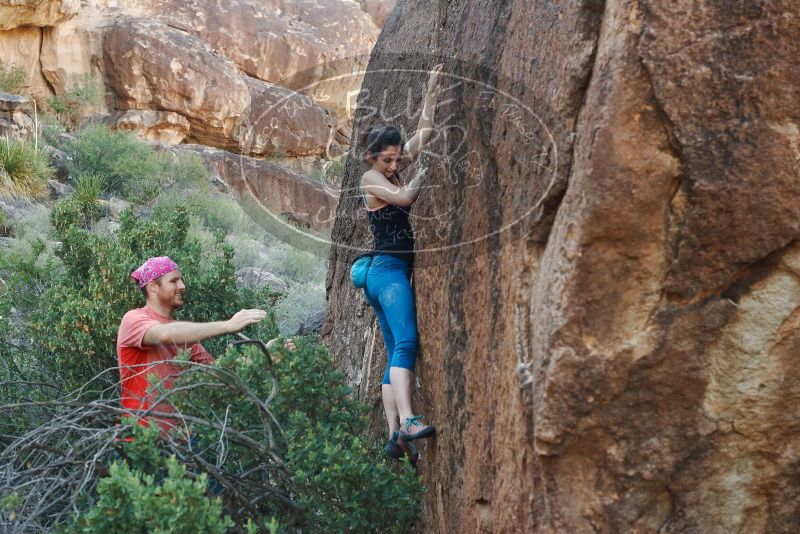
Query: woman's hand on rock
{"type": "Point", "coordinates": [434, 81]}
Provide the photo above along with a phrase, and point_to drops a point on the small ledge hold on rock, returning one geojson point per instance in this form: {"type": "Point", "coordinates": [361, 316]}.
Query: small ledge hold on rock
{"type": "Point", "coordinates": [9, 102]}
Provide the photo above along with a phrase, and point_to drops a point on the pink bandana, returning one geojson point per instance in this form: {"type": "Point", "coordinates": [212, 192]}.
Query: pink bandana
{"type": "Point", "coordinates": [153, 269]}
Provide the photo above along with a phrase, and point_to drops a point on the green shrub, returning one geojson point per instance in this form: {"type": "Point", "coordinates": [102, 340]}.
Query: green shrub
{"type": "Point", "coordinates": [51, 130]}
{"type": "Point", "coordinates": [186, 171]}
{"type": "Point", "coordinates": [174, 505]}
{"type": "Point", "coordinates": [340, 481]}
{"type": "Point", "coordinates": [332, 172]}
{"type": "Point", "coordinates": [82, 308]}
{"type": "Point", "coordinates": [24, 169]}
{"type": "Point", "coordinates": [127, 166]}
{"type": "Point", "coordinates": [70, 107]}
{"type": "Point", "coordinates": [86, 196]}
{"type": "Point", "coordinates": [220, 212]}
{"type": "Point", "coordinates": [13, 79]}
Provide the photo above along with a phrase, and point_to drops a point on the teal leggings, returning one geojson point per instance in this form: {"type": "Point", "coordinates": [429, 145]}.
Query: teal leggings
{"type": "Point", "coordinates": [388, 290]}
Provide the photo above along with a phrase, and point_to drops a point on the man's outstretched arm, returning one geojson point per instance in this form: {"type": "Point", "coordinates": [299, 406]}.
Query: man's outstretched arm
{"type": "Point", "coordinates": [187, 333]}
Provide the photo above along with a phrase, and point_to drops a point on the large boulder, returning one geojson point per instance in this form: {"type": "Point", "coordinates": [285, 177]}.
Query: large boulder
{"type": "Point", "coordinates": [10, 103]}
{"type": "Point", "coordinates": [317, 47]}
{"type": "Point", "coordinates": [150, 65]}
{"type": "Point", "coordinates": [608, 264]}
{"type": "Point", "coordinates": [274, 196]}
{"type": "Point", "coordinates": [16, 13]}
{"type": "Point", "coordinates": [281, 122]}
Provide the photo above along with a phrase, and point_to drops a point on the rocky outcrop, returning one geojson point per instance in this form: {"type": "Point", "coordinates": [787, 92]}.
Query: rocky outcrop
{"type": "Point", "coordinates": [281, 122]}
{"type": "Point", "coordinates": [15, 116]}
{"type": "Point", "coordinates": [608, 264]}
{"type": "Point", "coordinates": [163, 127]}
{"type": "Point", "coordinates": [16, 13]}
{"type": "Point", "coordinates": [378, 10]}
{"type": "Point", "coordinates": [150, 65]}
{"type": "Point", "coordinates": [303, 46]}
{"type": "Point", "coordinates": [72, 52]}
{"type": "Point", "coordinates": [275, 197]}
{"type": "Point", "coordinates": [20, 48]}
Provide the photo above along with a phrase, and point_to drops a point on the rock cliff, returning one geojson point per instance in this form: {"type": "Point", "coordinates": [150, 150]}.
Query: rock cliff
{"type": "Point", "coordinates": [265, 79]}
{"type": "Point", "coordinates": [608, 266]}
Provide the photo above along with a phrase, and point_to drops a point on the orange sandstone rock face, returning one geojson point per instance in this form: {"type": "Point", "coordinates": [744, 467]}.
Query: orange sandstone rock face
{"type": "Point", "coordinates": [608, 267]}
{"type": "Point", "coordinates": [313, 46]}
{"type": "Point", "coordinates": [16, 13]}
{"type": "Point", "coordinates": [150, 65]}
{"type": "Point", "coordinates": [270, 193]}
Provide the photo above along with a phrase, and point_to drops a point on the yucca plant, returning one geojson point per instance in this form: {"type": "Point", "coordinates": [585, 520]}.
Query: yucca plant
{"type": "Point", "coordinates": [88, 188]}
{"type": "Point", "coordinates": [24, 169]}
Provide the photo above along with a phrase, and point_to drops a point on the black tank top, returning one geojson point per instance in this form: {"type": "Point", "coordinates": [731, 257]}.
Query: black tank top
{"type": "Point", "coordinates": [392, 232]}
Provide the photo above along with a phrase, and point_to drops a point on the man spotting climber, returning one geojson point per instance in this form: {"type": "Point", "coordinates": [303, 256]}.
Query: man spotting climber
{"type": "Point", "coordinates": [149, 337]}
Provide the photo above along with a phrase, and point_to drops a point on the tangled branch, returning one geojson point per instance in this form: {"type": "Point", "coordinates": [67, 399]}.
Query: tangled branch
{"type": "Point", "coordinates": [53, 469]}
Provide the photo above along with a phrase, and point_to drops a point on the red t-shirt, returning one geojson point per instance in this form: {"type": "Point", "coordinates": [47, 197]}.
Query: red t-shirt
{"type": "Point", "coordinates": [137, 362]}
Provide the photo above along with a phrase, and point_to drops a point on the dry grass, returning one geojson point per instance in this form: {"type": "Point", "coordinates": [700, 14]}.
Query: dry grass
{"type": "Point", "coordinates": [24, 169]}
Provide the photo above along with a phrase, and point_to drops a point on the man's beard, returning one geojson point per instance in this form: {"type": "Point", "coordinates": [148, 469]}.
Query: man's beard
{"type": "Point", "coordinates": [175, 302]}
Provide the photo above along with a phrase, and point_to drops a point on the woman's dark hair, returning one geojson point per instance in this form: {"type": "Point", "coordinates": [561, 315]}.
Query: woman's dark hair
{"type": "Point", "coordinates": [381, 137]}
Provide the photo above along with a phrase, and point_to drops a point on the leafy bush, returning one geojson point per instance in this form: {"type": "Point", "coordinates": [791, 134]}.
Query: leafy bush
{"type": "Point", "coordinates": [51, 130]}
{"type": "Point", "coordinates": [13, 79]}
{"type": "Point", "coordinates": [214, 211]}
{"type": "Point", "coordinates": [332, 171]}
{"type": "Point", "coordinates": [81, 309]}
{"type": "Point", "coordinates": [173, 505]}
{"type": "Point", "coordinates": [186, 171]}
{"type": "Point", "coordinates": [24, 168]}
{"type": "Point", "coordinates": [86, 196]}
{"type": "Point", "coordinates": [5, 227]}
{"type": "Point", "coordinates": [70, 107]}
{"type": "Point", "coordinates": [331, 465]}
{"type": "Point", "coordinates": [126, 166]}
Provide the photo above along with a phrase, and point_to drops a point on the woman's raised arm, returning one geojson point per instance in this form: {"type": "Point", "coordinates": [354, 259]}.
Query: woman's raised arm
{"type": "Point", "coordinates": [414, 146]}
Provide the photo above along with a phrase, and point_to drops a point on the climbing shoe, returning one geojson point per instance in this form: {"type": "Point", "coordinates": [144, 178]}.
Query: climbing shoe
{"type": "Point", "coordinates": [393, 449]}
{"type": "Point", "coordinates": [413, 429]}
{"type": "Point", "coordinates": [397, 447]}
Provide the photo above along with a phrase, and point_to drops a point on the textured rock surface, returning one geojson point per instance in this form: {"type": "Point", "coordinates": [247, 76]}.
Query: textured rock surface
{"type": "Point", "coordinates": [306, 43]}
{"type": "Point", "coordinates": [281, 122]}
{"type": "Point", "coordinates": [150, 65]}
{"type": "Point", "coordinates": [15, 116]}
{"type": "Point", "coordinates": [20, 48]}
{"type": "Point", "coordinates": [72, 51]}
{"type": "Point", "coordinates": [13, 102]}
{"type": "Point", "coordinates": [615, 350]}
{"type": "Point", "coordinates": [269, 192]}
{"type": "Point", "coordinates": [158, 126]}
{"type": "Point", "coordinates": [378, 10]}
{"type": "Point", "coordinates": [15, 13]}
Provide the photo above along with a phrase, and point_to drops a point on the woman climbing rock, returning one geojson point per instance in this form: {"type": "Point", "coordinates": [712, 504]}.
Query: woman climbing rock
{"type": "Point", "coordinates": [388, 279]}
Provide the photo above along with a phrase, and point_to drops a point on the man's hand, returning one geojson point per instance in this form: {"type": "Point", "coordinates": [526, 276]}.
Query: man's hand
{"type": "Point", "coordinates": [244, 318]}
{"type": "Point", "coordinates": [272, 343]}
